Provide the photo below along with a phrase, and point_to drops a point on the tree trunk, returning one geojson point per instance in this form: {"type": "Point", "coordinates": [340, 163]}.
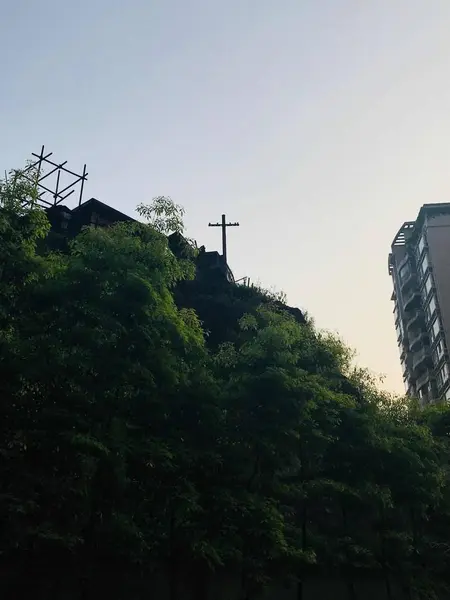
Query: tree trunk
{"type": "Point", "coordinates": [200, 583]}
{"type": "Point", "coordinates": [388, 586]}
{"type": "Point", "coordinates": [88, 554]}
{"type": "Point", "coordinates": [173, 562]}
{"type": "Point", "coordinates": [304, 517]}
{"type": "Point", "coordinates": [350, 583]}
{"type": "Point", "coordinates": [385, 569]}
{"type": "Point", "coordinates": [407, 593]}
{"type": "Point", "coordinates": [56, 588]}
{"type": "Point", "coordinates": [351, 590]}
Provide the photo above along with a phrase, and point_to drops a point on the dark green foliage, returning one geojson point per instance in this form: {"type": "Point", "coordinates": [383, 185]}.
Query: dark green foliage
{"type": "Point", "coordinates": [153, 421]}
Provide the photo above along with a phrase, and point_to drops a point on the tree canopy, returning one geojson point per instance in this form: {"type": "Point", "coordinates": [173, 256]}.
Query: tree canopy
{"type": "Point", "coordinates": [154, 421]}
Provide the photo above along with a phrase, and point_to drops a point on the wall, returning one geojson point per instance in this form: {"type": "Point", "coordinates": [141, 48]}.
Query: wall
{"type": "Point", "coordinates": [438, 237]}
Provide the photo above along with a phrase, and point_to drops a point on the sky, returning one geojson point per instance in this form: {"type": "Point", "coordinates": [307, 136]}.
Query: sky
{"type": "Point", "coordinates": [320, 125]}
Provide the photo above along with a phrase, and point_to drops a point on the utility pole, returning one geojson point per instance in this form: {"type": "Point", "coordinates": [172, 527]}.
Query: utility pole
{"type": "Point", "coordinates": [224, 226]}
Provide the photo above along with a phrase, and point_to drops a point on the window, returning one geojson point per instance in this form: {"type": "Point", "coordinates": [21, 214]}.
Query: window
{"type": "Point", "coordinates": [424, 392]}
{"type": "Point", "coordinates": [424, 265]}
{"type": "Point", "coordinates": [440, 349]}
{"type": "Point", "coordinates": [447, 395]}
{"type": "Point", "coordinates": [421, 246]}
{"type": "Point", "coordinates": [438, 352]}
{"type": "Point", "coordinates": [442, 375]}
{"type": "Point", "coordinates": [432, 305]}
{"type": "Point", "coordinates": [428, 286]}
{"type": "Point", "coordinates": [431, 308]}
{"type": "Point", "coordinates": [439, 379]}
{"type": "Point", "coordinates": [435, 329]}
{"type": "Point", "coordinates": [432, 336]}
{"type": "Point", "coordinates": [424, 295]}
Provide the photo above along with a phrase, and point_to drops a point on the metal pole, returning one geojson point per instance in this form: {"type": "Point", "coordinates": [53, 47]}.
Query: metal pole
{"type": "Point", "coordinates": [224, 239]}
{"type": "Point", "coordinates": [83, 178]}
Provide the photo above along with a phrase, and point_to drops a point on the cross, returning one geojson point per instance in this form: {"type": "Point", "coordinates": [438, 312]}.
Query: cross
{"type": "Point", "coordinates": [224, 226]}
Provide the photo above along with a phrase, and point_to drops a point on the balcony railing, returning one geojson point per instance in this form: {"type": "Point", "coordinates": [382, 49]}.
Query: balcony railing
{"type": "Point", "coordinates": [413, 318]}
{"type": "Point", "coordinates": [420, 358]}
{"type": "Point", "coordinates": [406, 280]}
{"type": "Point", "coordinates": [416, 339]}
{"type": "Point", "coordinates": [403, 262]}
{"type": "Point", "coordinates": [424, 379]}
{"type": "Point", "coordinates": [410, 298]}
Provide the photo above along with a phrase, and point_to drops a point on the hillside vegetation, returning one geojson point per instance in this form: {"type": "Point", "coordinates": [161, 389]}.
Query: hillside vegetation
{"type": "Point", "coordinates": [150, 420]}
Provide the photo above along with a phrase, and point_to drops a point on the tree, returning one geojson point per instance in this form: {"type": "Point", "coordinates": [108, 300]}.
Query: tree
{"type": "Point", "coordinates": [154, 421]}
{"type": "Point", "coordinates": [97, 361]}
{"type": "Point", "coordinates": [22, 226]}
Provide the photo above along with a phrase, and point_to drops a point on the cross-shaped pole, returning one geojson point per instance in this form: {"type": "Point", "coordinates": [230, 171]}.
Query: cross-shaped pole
{"type": "Point", "coordinates": [224, 226]}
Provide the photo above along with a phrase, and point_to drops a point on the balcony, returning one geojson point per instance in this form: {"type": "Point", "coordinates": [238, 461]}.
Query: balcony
{"type": "Point", "coordinates": [403, 348]}
{"type": "Point", "coordinates": [421, 359]}
{"type": "Point", "coordinates": [417, 339]}
{"type": "Point", "coordinates": [415, 318]}
{"type": "Point", "coordinates": [423, 380]}
{"type": "Point", "coordinates": [411, 299]}
{"type": "Point", "coordinates": [407, 279]}
{"type": "Point", "coordinates": [411, 391]}
{"type": "Point", "coordinates": [405, 369]}
{"type": "Point", "coordinates": [403, 262]}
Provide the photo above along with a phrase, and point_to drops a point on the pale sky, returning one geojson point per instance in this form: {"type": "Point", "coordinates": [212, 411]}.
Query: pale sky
{"type": "Point", "coordinates": [320, 125]}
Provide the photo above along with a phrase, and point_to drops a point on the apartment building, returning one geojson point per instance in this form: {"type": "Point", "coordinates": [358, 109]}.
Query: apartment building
{"type": "Point", "coordinates": [419, 264]}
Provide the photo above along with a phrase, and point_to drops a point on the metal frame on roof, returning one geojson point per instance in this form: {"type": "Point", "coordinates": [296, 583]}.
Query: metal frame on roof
{"type": "Point", "coordinates": [52, 187]}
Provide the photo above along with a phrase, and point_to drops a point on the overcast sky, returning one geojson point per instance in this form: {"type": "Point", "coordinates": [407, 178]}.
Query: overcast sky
{"type": "Point", "coordinates": [320, 125]}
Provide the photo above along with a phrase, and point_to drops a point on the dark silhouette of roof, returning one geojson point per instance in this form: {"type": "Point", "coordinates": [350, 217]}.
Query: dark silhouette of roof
{"type": "Point", "coordinates": [106, 212]}
{"type": "Point", "coordinates": [67, 223]}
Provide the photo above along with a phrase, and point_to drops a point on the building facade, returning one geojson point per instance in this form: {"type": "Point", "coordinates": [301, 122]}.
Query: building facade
{"type": "Point", "coordinates": [419, 264]}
